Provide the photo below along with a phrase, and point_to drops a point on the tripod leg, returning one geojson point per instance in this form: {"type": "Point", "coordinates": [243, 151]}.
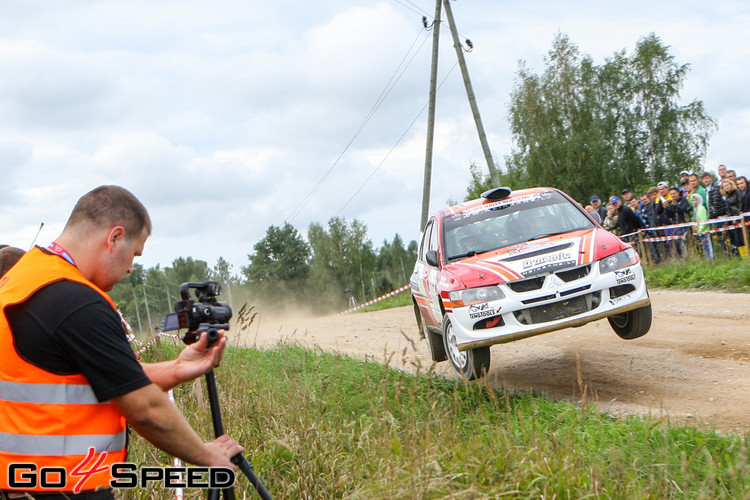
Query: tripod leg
{"type": "Point", "coordinates": [213, 400]}
{"type": "Point", "coordinates": [238, 459]}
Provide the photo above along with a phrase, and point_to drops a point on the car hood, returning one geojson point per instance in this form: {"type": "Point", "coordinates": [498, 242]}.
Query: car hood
{"type": "Point", "coordinates": [531, 258]}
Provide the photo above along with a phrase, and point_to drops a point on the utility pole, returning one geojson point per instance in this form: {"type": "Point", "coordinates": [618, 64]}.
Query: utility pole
{"type": "Point", "coordinates": [470, 93]}
{"type": "Point", "coordinates": [431, 117]}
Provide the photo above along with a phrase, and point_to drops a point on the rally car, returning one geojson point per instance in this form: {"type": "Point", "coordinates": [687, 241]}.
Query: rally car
{"type": "Point", "coordinates": [514, 264]}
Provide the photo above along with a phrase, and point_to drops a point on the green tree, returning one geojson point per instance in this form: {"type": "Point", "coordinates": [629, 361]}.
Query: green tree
{"type": "Point", "coordinates": [393, 265]}
{"type": "Point", "coordinates": [586, 128]}
{"type": "Point", "coordinates": [278, 268]}
{"type": "Point", "coordinates": [342, 259]}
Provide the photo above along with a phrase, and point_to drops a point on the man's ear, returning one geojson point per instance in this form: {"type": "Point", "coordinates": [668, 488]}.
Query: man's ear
{"type": "Point", "coordinates": [116, 234]}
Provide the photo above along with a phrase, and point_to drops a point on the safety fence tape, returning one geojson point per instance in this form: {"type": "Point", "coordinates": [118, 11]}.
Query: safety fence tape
{"type": "Point", "coordinates": [723, 220]}
{"type": "Point", "coordinates": [373, 301]}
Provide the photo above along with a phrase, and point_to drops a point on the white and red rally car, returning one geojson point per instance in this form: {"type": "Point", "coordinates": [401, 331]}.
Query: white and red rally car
{"type": "Point", "coordinates": [512, 265]}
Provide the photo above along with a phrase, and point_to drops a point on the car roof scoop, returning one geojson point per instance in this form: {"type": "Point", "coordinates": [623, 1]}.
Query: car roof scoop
{"type": "Point", "coordinates": [496, 194]}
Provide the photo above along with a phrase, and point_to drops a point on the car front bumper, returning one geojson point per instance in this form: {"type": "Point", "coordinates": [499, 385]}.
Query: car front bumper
{"type": "Point", "coordinates": [553, 306]}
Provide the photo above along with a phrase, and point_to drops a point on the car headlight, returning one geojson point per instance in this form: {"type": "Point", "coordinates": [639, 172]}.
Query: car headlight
{"type": "Point", "coordinates": [469, 296]}
{"type": "Point", "coordinates": [626, 258]}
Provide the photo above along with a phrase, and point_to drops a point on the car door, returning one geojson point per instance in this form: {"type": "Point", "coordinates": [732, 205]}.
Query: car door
{"type": "Point", "coordinates": [424, 278]}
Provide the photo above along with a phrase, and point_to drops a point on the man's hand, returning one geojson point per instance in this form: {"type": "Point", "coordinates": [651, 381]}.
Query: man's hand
{"type": "Point", "coordinates": [221, 450]}
{"type": "Point", "coordinates": [195, 360]}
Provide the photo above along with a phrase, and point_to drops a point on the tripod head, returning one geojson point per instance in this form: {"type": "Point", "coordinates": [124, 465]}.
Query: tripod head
{"type": "Point", "coordinates": [202, 314]}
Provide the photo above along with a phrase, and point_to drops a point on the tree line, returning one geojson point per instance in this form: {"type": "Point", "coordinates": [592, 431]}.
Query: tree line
{"type": "Point", "coordinates": [591, 128]}
{"type": "Point", "coordinates": [323, 272]}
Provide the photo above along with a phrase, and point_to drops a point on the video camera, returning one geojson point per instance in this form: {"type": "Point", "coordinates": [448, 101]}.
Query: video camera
{"type": "Point", "coordinates": [204, 315]}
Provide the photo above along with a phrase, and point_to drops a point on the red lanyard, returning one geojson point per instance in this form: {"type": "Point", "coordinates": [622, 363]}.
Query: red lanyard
{"type": "Point", "coordinates": [59, 250]}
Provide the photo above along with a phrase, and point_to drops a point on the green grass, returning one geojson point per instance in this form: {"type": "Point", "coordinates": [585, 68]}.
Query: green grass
{"type": "Point", "coordinates": [722, 273]}
{"type": "Point", "coordinates": [321, 425]}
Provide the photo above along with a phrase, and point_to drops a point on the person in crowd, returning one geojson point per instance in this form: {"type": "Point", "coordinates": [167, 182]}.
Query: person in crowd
{"type": "Point", "coordinates": [694, 186]}
{"type": "Point", "coordinates": [8, 258]}
{"type": "Point", "coordinates": [593, 213]}
{"type": "Point", "coordinates": [684, 176]}
{"type": "Point", "coordinates": [742, 187]}
{"type": "Point", "coordinates": [649, 218]}
{"type": "Point", "coordinates": [627, 197]}
{"type": "Point", "coordinates": [721, 170]}
{"type": "Point", "coordinates": [62, 340]}
{"type": "Point", "coordinates": [597, 204]}
{"type": "Point", "coordinates": [678, 209]}
{"type": "Point", "coordinates": [700, 214]}
{"type": "Point", "coordinates": [733, 204]}
{"type": "Point", "coordinates": [732, 198]}
{"type": "Point", "coordinates": [678, 212]}
{"type": "Point", "coordinates": [716, 206]}
{"type": "Point", "coordinates": [628, 221]}
{"type": "Point", "coordinates": [731, 175]}
{"type": "Point", "coordinates": [611, 223]}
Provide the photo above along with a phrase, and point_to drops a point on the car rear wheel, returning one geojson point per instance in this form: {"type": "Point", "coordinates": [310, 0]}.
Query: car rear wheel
{"type": "Point", "coordinates": [470, 364]}
{"type": "Point", "coordinates": [632, 324]}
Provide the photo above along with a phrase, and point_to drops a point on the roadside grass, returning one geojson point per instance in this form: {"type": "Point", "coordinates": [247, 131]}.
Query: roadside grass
{"type": "Point", "coordinates": [722, 273]}
{"type": "Point", "coordinates": [320, 425]}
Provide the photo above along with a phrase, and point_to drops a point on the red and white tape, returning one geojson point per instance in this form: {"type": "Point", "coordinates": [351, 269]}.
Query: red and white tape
{"type": "Point", "coordinates": [373, 301]}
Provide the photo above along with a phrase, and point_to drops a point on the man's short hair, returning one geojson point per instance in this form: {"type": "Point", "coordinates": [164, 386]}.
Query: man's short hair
{"type": "Point", "coordinates": [111, 205]}
{"type": "Point", "coordinates": [652, 189]}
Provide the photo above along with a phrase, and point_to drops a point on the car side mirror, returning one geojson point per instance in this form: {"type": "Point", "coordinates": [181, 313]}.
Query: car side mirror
{"type": "Point", "coordinates": [432, 258]}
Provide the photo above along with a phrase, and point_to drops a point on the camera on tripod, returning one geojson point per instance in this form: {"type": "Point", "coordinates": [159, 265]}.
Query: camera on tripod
{"type": "Point", "coordinates": [206, 314]}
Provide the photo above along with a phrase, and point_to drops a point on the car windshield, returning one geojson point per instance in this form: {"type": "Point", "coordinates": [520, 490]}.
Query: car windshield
{"type": "Point", "coordinates": [501, 224]}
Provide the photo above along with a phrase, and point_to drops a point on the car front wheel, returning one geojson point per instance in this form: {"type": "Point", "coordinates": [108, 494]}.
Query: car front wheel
{"type": "Point", "coordinates": [632, 324]}
{"type": "Point", "coordinates": [470, 364]}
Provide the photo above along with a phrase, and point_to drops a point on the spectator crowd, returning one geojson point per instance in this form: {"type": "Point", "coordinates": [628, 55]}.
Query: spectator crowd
{"type": "Point", "coordinates": [685, 209]}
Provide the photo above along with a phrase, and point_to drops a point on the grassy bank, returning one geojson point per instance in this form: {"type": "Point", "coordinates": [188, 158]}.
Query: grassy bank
{"type": "Point", "coordinates": [324, 426]}
{"type": "Point", "coordinates": [731, 275]}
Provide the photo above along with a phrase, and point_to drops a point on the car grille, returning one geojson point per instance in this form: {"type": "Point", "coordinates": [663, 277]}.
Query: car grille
{"type": "Point", "coordinates": [527, 285]}
{"type": "Point", "coordinates": [558, 310]}
{"type": "Point", "coordinates": [574, 274]}
{"type": "Point", "coordinates": [531, 284]}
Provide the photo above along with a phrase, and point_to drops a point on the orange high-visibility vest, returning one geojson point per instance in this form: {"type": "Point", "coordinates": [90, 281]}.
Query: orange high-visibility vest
{"type": "Point", "coordinates": [49, 420]}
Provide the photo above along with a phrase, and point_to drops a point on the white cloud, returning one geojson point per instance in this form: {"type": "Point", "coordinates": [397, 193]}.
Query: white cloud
{"type": "Point", "coordinates": [224, 116]}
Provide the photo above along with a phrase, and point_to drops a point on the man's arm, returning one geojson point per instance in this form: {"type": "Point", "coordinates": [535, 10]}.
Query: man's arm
{"type": "Point", "coordinates": [195, 360]}
{"type": "Point", "coordinates": [150, 412]}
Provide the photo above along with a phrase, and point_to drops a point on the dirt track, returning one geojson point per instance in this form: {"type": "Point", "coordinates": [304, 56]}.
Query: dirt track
{"type": "Point", "coordinates": [693, 366]}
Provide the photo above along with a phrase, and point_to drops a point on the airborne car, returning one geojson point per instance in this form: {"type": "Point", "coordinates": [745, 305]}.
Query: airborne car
{"type": "Point", "coordinates": [512, 265]}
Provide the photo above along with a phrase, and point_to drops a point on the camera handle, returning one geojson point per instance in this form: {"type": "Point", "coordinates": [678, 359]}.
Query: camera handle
{"type": "Point", "coordinates": [239, 459]}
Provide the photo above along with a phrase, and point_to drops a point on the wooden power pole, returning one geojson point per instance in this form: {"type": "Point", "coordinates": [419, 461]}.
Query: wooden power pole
{"type": "Point", "coordinates": [431, 118]}
{"type": "Point", "coordinates": [431, 111]}
{"type": "Point", "coordinates": [470, 93]}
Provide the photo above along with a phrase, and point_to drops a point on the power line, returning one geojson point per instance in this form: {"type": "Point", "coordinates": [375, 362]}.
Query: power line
{"type": "Point", "coordinates": [394, 146]}
{"type": "Point", "coordinates": [412, 7]}
{"type": "Point", "coordinates": [378, 102]}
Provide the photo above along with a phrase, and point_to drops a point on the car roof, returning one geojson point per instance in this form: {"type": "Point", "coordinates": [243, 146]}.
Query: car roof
{"type": "Point", "coordinates": [471, 204]}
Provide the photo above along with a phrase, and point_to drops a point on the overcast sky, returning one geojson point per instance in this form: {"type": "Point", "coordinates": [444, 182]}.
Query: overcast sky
{"type": "Point", "coordinates": [226, 117]}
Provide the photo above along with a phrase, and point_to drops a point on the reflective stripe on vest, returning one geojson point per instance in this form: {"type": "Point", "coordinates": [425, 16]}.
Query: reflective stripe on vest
{"type": "Point", "coordinates": [29, 444]}
{"type": "Point", "coordinates": [47, 393]}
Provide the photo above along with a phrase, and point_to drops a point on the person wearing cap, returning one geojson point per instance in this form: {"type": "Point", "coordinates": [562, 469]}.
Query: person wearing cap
{"type": "Point", "coordinates": [629, 222]}
{"type": "Point", "coordinates": [683, 176]}
{"type": "Point", "coordinates": [627, 198]}
{"type": "Point", "coordinates": [597, 204]}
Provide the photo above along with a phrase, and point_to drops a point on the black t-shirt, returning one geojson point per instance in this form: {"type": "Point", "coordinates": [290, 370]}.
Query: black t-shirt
{"type": "Point", "coordinates": [68, 328]}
